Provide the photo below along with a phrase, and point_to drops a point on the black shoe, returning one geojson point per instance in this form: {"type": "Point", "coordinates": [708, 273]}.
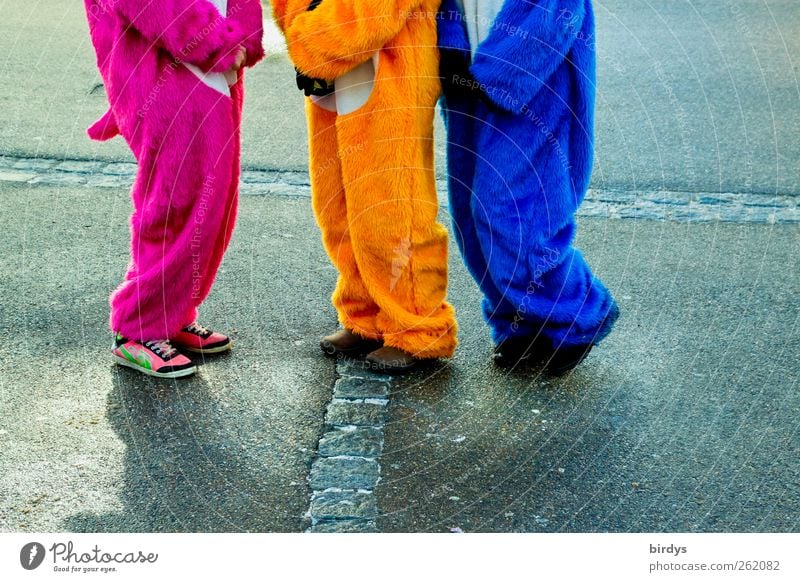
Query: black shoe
{"type": "Point", "coordinates": [522, 351]}
{"type": "Point", "coordinates": [347, 343]}
{"type": "Point", "coordinates": [566, 358]}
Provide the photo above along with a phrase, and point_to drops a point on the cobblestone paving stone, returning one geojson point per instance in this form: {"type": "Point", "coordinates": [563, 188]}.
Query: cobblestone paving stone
{"type": "Point", "coordinates": [612, 204]}
{"type": "Point", "coordinates": [364, 441]}
{"type": "Point", "coordinates": [346, 469]}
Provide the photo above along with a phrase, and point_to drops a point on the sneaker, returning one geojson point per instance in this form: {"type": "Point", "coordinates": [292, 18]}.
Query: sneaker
{"type": "Point", "coordinates": [196, 338]}
{"type": "Point", "coordinates": [154, 358]}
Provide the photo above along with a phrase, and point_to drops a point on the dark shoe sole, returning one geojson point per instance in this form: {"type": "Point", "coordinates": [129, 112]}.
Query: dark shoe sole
{"type": "Point", "coordinates": [502, 361]}
{"type": "Point", "coordinates": [558, 366]}
{"type": "Point", "coordinates": [212, 350]}
{"type": "Point", "coordinates": [174, 374]}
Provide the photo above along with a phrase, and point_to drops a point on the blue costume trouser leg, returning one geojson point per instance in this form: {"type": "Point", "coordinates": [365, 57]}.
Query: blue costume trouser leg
{"type": "Point", "coordinates": [460, 120]}
{"type": "Point", "coordinates": [516, 237]}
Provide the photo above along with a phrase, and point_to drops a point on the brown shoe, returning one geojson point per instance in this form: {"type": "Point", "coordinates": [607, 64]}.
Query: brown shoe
{"type": "Point", "coordinates": [391, 360]}
{"type": "Point", "coordinates": [347, 343]}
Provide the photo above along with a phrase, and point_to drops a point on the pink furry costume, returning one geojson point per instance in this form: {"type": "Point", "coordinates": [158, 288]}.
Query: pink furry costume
{"type": "Point", "coordinates": [185, 137]}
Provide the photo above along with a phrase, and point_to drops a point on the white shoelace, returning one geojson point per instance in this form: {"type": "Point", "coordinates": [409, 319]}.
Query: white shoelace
{"type": "Point", "coordinates": [198, 329]}
{"type": "Point", "coordinates": [163, 348]}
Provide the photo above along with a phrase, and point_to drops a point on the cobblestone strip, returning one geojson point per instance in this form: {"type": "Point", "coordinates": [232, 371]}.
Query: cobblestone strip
{"type": "Point", "coordinates": [120, 175]}
{"type": "Point", "coordinates": [346, 470]}
{"type": "Point", "coordinates": [691, 207]}
{"type": "Point", "coordinates": [612, 204]}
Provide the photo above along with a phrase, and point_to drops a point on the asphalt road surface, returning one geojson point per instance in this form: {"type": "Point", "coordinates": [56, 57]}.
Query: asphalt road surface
{"type": "Point", "coordinates": [694, 96]}
{"type": "Point", "coordinates": [685, 419]}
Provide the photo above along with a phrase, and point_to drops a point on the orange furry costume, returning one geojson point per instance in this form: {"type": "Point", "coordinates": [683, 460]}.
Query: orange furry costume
{"type": "Point", "coordinates": [374, 192]}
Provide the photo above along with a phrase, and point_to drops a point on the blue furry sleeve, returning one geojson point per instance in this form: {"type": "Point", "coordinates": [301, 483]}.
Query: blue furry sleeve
{"type": "Point", "coordinates": [529, 40]}
{"type": "Point", "coordinates": [450, 26]}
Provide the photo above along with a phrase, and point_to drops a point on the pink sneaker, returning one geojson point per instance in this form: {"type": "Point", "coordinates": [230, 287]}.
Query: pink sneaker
{"type": "Point", "coordinates": [154, 358]}
{"type": "Point", "coordinates": [196, 338]}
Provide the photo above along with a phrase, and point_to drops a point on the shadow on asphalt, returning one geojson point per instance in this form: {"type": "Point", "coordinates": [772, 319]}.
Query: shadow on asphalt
{"type": "Point", "coordinates": [683, 420]}
{"type": "Point", "coordinates": [182, 471]}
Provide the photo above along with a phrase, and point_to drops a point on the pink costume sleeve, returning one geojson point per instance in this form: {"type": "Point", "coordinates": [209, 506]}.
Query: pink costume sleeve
{"type": "Point", "coordinates": [247, 13]}
{"type": "Point", "coordinates": [192, 31]}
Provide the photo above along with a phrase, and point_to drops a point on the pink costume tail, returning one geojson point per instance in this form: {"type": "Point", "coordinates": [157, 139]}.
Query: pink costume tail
{"type": "Point", "coordinates": [104, 128]}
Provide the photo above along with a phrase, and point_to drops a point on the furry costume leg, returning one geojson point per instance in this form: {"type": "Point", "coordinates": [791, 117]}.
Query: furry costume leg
{"type": "Point", "coordinates": [354, 306]}
{"type": "Point", "coordinates": [459, 115]}
{"type": "Point", "coordinates": [399, 247]}
{"type": "Point", "coordinates": [230, 205]}
{"type": "Point", "coordinates": [184, 206]}
{"type": "Point", "coordinates": [526, 110]}
{"type": "Point", "coordinates": [525, 234]}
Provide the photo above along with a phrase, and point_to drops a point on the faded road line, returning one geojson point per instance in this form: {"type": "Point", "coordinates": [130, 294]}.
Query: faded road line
{"type": "Point", "coordinates": [612, 204]}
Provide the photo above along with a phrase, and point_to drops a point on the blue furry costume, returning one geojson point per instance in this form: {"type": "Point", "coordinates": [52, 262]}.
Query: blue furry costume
{"type": "Point", "coordinates": [519, 112]}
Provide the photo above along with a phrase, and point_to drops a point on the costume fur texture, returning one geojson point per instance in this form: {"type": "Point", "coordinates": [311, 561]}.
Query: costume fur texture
{"type": "Point", "coordinates": [185, 137]}
{"type": "Point", "coordinates": [519, 111]}
{"type": "Point", "coordinates": [372, 177]}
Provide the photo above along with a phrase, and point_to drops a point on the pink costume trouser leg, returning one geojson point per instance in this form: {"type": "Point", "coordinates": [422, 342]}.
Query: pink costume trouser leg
{"type": "Point", "coordinates": [185, 200]}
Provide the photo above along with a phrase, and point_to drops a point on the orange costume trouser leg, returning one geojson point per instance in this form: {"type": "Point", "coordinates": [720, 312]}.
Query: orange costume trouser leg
{"type": "Point", "coordinates": [374, 196]}
{"type": "Point", "coordinates": [356, 309]}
